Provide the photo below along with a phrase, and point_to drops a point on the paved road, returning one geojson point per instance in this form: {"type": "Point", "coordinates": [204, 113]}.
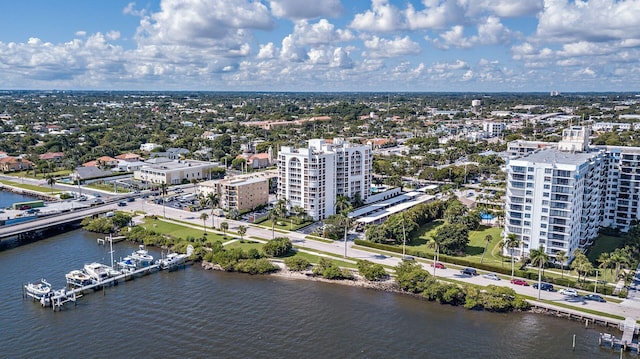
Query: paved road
{"type": "Point", "coordinates": [629, 308]}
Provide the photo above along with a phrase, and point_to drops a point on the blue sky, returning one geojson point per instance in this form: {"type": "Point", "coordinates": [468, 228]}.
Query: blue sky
{"type": "Point", "coordinates": [321, 45]}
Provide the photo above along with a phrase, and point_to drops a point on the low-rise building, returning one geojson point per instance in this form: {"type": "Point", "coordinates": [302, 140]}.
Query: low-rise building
{"type": "Point", "coordinates": [11, 164]}
{"type": "Point", "coordinates": [241, 193]}
{"type": "Point", "coordinates": [173, 172]}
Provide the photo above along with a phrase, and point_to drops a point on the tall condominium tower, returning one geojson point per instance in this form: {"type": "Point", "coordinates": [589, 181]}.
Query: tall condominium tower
{"type": "Point", "coordinates": [312, 177]}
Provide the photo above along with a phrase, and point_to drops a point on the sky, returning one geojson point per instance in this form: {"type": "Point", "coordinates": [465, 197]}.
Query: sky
{"type": "Point", "coordinates": [321, 45]}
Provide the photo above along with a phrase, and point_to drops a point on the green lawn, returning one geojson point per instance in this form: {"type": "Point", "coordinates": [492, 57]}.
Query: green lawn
{"type": "Point", "coordinates": [315, 259]}
{"type": "Point", "coordinates": [39, 175]}
{"type": "Point", "coordinates": [283, 224]}
{"type": "Point", "coordinates": [603, 244]}
{"type": "Point", "coordinates": [180, 231]}
{"type": "Point", "coordinates": [107, 187]}
{"type": "Point", "coordinates": [245, 245]}
{"type": "Point", "coordinates": [30, 187]}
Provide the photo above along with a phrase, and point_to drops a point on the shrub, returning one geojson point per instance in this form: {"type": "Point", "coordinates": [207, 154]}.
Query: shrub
{"type": "Point", "coordinates": [371, 271]}
{"type": "Point", "coordinates": [296, 264]}
{"type": "Point", "coordinates": [278, 247]}
{"type": "Point", "coordinates": [255, 266]}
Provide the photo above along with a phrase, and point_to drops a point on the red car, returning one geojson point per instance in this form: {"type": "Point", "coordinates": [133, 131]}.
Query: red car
{"type": "Point", "coordinates": [438, 265]}
{"type": "Point", "coordinates": [520, 282]}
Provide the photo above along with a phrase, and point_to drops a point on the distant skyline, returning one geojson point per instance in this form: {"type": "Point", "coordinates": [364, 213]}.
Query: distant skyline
{"type": "Point", "coordinates": [321, 45]}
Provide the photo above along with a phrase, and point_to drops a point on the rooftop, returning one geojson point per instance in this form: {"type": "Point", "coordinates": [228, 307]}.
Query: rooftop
{"type": "Point", "coordinates": [553, 156]}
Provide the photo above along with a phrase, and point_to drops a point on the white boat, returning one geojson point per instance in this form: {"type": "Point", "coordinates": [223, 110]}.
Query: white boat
{"type": "Point", "coordinates": [172, 260]}
{"type": "Point", "coordinates": [78, 278]}
{"type": "Point", "coordinates": [127, 264]}
{"type": "Point", "coordinates": [98, 271]}
{"type": "Point", "coordinates": [38, 289]}
{"type": "Point", "coordinates": [142, 257]}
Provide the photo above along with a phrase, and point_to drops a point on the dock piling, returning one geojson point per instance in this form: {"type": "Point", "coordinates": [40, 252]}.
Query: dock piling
{"type": "Point", "coordinates": [574, 343]}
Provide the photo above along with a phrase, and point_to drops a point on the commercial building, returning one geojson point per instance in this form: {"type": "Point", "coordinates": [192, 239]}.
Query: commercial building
{"type": "Point", "coordinates": [313, 177]}
{"type": "Point", "coordinates": [493, 129]}
{"type": "Point", "coordinates": [561, 194]}
{"type": "Point", "coordinates": [163, 170]}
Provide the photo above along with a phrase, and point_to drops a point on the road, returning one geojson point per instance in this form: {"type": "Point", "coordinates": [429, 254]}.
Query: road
{"type": "Point", "coordinates": [628, 308]}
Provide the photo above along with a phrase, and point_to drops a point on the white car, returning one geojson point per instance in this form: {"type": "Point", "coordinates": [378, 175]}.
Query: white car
{"type": "Point", "coordinates": [491, 276]}
{"type": "Point", "coordinates": [570, 292]}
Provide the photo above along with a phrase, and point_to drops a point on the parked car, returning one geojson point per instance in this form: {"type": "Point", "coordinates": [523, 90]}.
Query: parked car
{"type": "Point", "coordinates": [469, 271]}
{"type": "Point", "coordinates": [438, 265]}
{"type": "Point", "coordinates": [408, 259]}
{"type": "Point", "coordinates": [130, 199]}
{"type": "Point", "coordinates": [594, 297]}
{"type": "Point", "coordinates": [491, 276]}
{"type": "Point", "coordinates": [122, 204]}
{"type": "Point", "coordinates": [570, 292]}
{"type": "Point", "coordinates": [517, 281]}
{"type": "Point", "coordinates": [544, 286]}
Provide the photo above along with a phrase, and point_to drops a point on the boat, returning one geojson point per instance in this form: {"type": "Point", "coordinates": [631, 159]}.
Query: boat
{"type": "Point", "coordinates": [98, 271]}
{"type": "Point", "coordinates": [142, 257]}
{"type": "Point", "coordinates": [78, 278]}
{"type": "Point", "coordinates": [173, 259]}
{"type": "Point", "coordinates": [38, 289]}
{"type": "Point", "coordinates": [127, 264]}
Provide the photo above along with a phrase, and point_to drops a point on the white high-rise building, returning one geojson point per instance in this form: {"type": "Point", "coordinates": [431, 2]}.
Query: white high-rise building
{"type": "Point", "coordinates": [313, 177]}
{"type": "Point", "coordinates": [555, 198]}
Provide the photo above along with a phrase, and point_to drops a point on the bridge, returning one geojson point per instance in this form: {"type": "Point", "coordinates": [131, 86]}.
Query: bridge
{"type": "Point", "coordinates": [45, 222]}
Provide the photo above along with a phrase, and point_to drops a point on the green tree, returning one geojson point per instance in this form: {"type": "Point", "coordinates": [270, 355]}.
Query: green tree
{"type": "Point", "coordinates": [455, 211]}
{"type": "Point", "coordinates": [512, 242]}
{"type": "Point", "coordinates": [452, 238]}
{"type": "Point", "coordinates": [539, 257]}
{"type": "Point", "coordinates": [277, 247]}
{"type": "Point", "coordinates": [204, 217]}
{"type": "Point", "coordinates": [296, 264]}
{"type": "Point", "coordinates": [487, 240]}
{"type": "Point", "coordinates": [242, 230]}
{"type": "Point", "coordinates": [376, 234]}
{"type": "Point", "coordinates": [343, 208]}
{"type": "Point", "coordinates": [213, 200]}
{"type": "Point", "coordinates": [371, 271]}
{"type": "Point", "coordinates": [224, 226]}
{"type": "Point", "coordinates": [581, 263]}
{"type": "Point", "coordinates": [51, 181]}
{"type": "Point", "coordinates": [561, 256]}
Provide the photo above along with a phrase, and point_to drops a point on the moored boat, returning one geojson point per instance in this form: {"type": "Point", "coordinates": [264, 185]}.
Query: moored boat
{"type": "Point", "coordinates": [173, 259]}
{"type": "Point", "coordinates": [142, 257]}
{"type": "Point", "coordinates": [38, 289]}
{"type": "Point", "coordinates": [98, 271]}
{"type": "Point", "coordinates": [78, 278]}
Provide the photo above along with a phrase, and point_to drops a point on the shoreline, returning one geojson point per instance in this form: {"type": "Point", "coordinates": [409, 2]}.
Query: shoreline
{"type": "Point", "coordinates": [22, 191]}
{"type": "Point", "coordinates": [390, 286]}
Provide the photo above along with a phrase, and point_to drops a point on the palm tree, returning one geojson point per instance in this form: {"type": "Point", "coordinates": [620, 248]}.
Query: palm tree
{"type": "Point", "coordinates": [213, 200]}
{"type": "Point", "coordinates": [512, 242]}
{"type": "Point", "coordinates": [242, 230]}
{"type": "Point", "coordinates": [435, 242]}
{"type": "Point", "coordinates": [561, 256]}
{"type": "Point", "coordinates": [487, 239]}
{"type": "Point", "coordinates": [501, 246]}
{"type": "Point", "coordinates": [224, 226]}
{"type": "Point", "coordinates": [51, 181]}
{"type": "Point", "coordinates": [343, 207]}
{"type": "Point", "coordinates": [539, 257]}
{"type": "Point", "coordinates": [163, 191]}
{"type": "Point", "coordinates": [605, 261]}
{"type": "Point", "coordinates": [620, 257]}
{"type": "Point", "coordinates": [581, 263]}
{"type": "Point", "coordinates": [204, 217]}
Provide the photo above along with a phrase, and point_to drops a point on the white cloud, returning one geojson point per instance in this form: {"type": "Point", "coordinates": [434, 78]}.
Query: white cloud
{"type": "Point", "coordinates": [490, 32]}
{"type": "Point", "coordinates": [322, 32]}
{"type": "Point", "coordinates": [267, 51]}
{"type": "Point", "coordinates": [290, 51]}
{"type": "Point", "coordinates": [438, 14]}
{"type": "Point", "coordinates": [381, 48]}
{"type": "Point", "coordinates": [204, 22]}
{"type": "Point", "coordinates": [595, 20]}
{"type": "Point", "coordinates": [382, 17]}
{"type": "Point", "coordinates": [341, 59]}
{"type": "Point", "coordinates": [297, 9]}
{"type": "Point", "coordinates": [504, 8]}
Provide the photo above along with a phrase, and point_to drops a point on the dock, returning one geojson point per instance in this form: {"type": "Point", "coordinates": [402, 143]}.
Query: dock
{"type": "Point", "coordinates": [105, 240]}
{"type": "Point", "coordinates": [58, 298]}
{"type": "Point", "coordinates": [629, 329]}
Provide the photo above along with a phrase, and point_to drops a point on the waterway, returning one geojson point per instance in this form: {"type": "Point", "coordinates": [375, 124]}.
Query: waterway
{"type": "Point", "coordinates": [192, 313]}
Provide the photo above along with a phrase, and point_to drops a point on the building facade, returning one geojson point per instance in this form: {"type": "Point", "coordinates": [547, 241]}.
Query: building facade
{"type": "Point", "coordinates": [313, 177]}
{"type": "Point", "coordinates": [239, 193]}
{"type": "Point", "coordinates": [560, 195]}
{"type": "Point", "coordinates": [173, 172]}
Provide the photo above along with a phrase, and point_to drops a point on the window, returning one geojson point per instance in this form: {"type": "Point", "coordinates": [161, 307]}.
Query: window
{"type": "Point", "coordinates": [545, 210]}
{"type": "Point", "coordinates": [543, 225]}
{"type": "Point", "coordinates": [546, 186]}
{"type": "Point", "coordinates": [530, 177]}
{"type": "Point", "coordinates": [548, 171]}
{"type": "Point", "coordinates": [543, 234]}
{"type": "Point", "coordinates": [529, 169]}
{"type": "Point", "coordinates": [528, 208]}
{"type": "Point", "coordinates": [545, 194]}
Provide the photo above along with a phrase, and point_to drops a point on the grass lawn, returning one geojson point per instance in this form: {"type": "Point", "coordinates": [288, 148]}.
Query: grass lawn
{"type": "Point", "coordinates": [107, 187]}
{"type": "Point", "coordinates": [603, 244]}
{"type": "Point", "coordinates": [30, 187]}
{"type": "Point", "coordinates": [180, 231]}
{"type": "Point", "coordinates": [284, 224]}
{"type": "Point", "coordinates": [39, 175]}
{"type": "Point", "coordinates": [315, 259]}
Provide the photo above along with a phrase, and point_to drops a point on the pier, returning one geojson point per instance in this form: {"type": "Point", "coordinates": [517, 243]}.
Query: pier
{"type": "Point", "coordinates": [629, 329]}
{"type": "Point", "coordinates": [58, 298]}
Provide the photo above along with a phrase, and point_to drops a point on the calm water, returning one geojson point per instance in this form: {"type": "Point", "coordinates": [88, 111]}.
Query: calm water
{"type": "Point", "coordinates": [193, 313]}
{"type": "Point", "coordinates": [9, 198]}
